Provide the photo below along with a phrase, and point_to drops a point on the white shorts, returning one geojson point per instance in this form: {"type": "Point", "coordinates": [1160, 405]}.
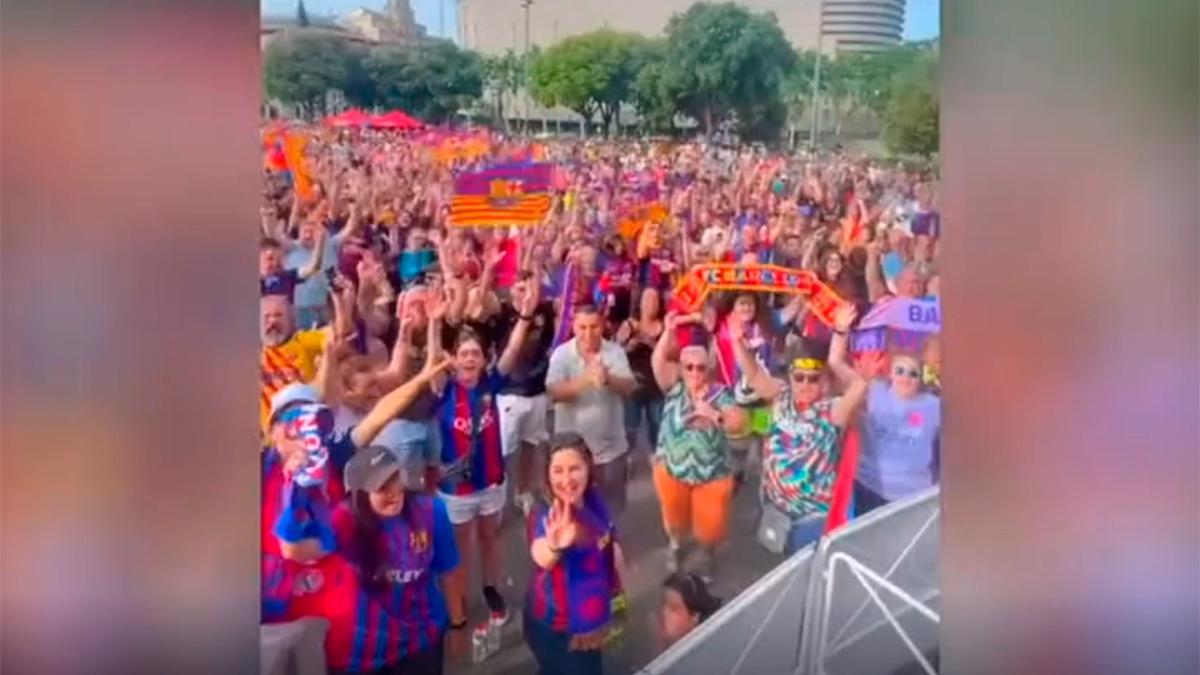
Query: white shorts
{"type": "Point", "coordinates": [522, 420]}
{"type": "Point", "coordinates": [463, 509]}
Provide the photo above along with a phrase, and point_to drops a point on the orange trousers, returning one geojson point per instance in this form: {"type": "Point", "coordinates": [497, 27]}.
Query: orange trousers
{"type": "Point", "coordinates": [702, 508]}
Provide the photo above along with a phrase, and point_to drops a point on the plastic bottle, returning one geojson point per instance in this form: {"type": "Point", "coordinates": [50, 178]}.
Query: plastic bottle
{"type": "Point", "coordinates": [479, 646]}
{"type": "Point", "coordinates": [493, 636]}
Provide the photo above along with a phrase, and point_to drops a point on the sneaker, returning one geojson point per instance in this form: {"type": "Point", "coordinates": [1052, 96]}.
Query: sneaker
{"type": "Point", "coordinates": [496, 605]}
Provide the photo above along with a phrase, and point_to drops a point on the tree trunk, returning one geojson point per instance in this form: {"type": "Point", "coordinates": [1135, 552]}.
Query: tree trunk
{"type": "Point", "coordinates": [708, 122]}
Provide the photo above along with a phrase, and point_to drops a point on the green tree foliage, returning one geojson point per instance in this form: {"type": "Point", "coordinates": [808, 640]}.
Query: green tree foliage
{"type": "Point", "coordinates": [432, 81]}
{"type": "Point", "coordinates": [911, 116]}
{"type": "Point", "coordinates": [724, 61]}
{"type": "Point", "coordinates": [654, 102]}
{"type": "Point", "coordinates": [592, 73]}
{"type": "Point", "coordinates": [504, 76]}
{"type": "Point", "coordinates": [301, 68]}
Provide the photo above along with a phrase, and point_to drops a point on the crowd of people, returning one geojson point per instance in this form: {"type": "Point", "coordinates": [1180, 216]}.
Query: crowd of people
{"type": "Point", "coordinates": [414, 374]}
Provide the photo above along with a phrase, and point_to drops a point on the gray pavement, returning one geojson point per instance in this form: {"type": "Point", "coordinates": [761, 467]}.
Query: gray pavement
{"type": "Point", "coordinates": [740, 562]}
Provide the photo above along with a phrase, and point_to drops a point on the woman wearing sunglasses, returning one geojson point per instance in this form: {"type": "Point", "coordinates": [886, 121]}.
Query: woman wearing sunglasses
{"type": "Point", "coordinates": [900, 437]}
{"type": "Point", "coordinates": [804, 442]}
{"type": "Point", "coordinates": [577, 565]}
{"type": "Point", "coordinates": [693, 475]}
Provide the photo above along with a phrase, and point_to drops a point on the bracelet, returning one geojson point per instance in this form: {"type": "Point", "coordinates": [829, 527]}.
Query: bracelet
{"type": "Point", "coordinates": [459, 626]}
{"type": "Point", "coordinates": [525, 318]}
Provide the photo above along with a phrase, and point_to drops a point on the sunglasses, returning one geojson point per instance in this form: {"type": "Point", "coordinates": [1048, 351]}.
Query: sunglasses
{"type": "Point", "coordinates": [695, 367]}
{"type": "Point", "coordinates": [810, 378]}
{"type": "Point", "coordinates": [900, 371]}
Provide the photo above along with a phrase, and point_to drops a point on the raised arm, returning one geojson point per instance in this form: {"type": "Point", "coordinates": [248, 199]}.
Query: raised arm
{"type": "Point", "coordinates": [753, 375]}
{"type": "Point", "coordinates": [516, 340]}
{"type": "Point", "coordinates": [854, 386]}
{"type": "Point", "coordinates": [314, 262]}
{"type": "Point", "coordinates": [876, 288]}
{"type": "Point", "coordinates": [326, 380]}
{"type": "Point", "coordinates": [396, 402]}
{"type": "Point", "coordinates": [666, 370]}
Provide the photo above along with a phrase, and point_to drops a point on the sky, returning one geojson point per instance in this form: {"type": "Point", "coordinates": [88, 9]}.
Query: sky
{"type": "Point", "coordinates": [920, 18]}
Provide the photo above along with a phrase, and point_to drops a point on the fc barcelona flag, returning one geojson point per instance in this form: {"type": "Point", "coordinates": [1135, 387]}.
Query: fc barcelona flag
{"type": "Point", "coordinates": [502, 195]}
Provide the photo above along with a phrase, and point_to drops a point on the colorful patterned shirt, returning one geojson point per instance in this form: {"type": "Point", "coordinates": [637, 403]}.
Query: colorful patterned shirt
{"type": "Point", "coordinates": [693, 452]}
{"type": "Point", "coordinates": [801, 456]}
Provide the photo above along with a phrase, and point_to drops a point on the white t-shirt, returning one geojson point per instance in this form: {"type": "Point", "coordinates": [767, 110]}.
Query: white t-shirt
{"type": "Point", "coordinates": [597, 414]}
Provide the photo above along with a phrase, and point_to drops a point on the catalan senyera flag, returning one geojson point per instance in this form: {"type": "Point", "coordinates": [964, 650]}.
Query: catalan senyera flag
{"type": "Point", "coordinates": [502, 195]}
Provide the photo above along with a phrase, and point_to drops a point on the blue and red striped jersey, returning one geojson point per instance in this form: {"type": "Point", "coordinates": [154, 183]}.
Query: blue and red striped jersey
{"type": "Point", "coordinates": [419, 546]}
{"type": "Point", "coordinates": [575, 596]}
{"type": "Point", "coordinates": [469, 421]}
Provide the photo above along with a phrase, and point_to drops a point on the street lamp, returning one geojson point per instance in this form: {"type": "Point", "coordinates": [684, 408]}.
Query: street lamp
{"type": "Point", "coordinates": [526, 4]}
{"type": "Point", "coordinates": [816, 109]}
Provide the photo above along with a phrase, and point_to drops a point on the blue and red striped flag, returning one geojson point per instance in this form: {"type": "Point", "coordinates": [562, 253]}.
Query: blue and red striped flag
{"type": "Point", "coordinates": [502, 195]}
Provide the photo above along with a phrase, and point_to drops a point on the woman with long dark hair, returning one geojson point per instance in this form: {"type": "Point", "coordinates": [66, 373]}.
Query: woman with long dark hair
{"type": "Point", "coordinates": [686, 602]}
{"type": "Point", "coordinates": [637, 336]}
{"type": "Point", "coordinates": [400, 542]}
{"type": "Point", "coordinates": [577, 565]}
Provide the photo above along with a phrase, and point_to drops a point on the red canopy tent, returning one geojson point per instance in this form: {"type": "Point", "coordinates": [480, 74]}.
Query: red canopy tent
{"type": "Point", "coordinates": [396, 119]}
{"type": "Point", "coordinates": [351, 118]}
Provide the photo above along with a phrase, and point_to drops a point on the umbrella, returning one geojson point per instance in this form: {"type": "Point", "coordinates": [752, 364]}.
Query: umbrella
{"type": "Point", "coordinates": [396, 119]}
{"type": "Point", "coordinates": [351, 118]}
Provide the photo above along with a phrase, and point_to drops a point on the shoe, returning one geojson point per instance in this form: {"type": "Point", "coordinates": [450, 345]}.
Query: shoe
{"type": "Point", "coordinates": [496, 605]}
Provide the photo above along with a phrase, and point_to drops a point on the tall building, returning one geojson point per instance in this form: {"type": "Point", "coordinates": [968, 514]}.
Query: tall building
{"type": "Point", "coordinates": [395, 25]}
{"type": "Point", "coordinates": [493, 26]}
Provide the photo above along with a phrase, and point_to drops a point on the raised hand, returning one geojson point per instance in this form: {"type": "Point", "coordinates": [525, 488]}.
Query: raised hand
{"type": "Point", "coordinates": [533, 295]}
{"type": "Point", "coordinates": [439, 366]}
{"type": "Point", "coordinates": [871, 365]}
{"type": "Point", "coordinates": [844, 316]}
{"type": "Point", "coordinates": [560, 526]}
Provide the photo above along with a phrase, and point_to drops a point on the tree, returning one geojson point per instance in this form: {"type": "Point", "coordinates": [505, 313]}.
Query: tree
{"type": "Point", "coordinates": [591, 74]}
{"type": "Point", "coordinates": [649, 94]}
{"type": "Point", "coordinates": [301, 14]}
{"type": "Point", "coordinates": [722, 59]}
{"type": "Point", "coordinates": [432, 81]}
{"type": "Point", "coordinates": [504, 74]}
{"type": "Point", "coordinates": [299, 69]}
{"type": "Point", "coordinates": [911, 116]}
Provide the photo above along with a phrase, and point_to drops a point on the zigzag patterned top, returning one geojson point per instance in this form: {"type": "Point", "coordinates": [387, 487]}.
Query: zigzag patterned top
{"type": "Point", "coordinates": [693, 453]}
{"type": "Point", "coordinates": [801, 456]}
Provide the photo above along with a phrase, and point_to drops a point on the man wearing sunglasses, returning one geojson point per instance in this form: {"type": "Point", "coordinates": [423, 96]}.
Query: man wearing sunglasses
{"type": "Point", "coordinates": [803, 445]}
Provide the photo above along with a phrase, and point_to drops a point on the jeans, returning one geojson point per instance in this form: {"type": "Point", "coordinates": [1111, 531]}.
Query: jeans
{"type": "Point", "coordinates": [637, 409]}
{"type": "Point", "coordinates": [804, 532]}
{"type": "Point", "coordinates": [866, 500]}
{"type": "Point", "coordinates": [553, 651]}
